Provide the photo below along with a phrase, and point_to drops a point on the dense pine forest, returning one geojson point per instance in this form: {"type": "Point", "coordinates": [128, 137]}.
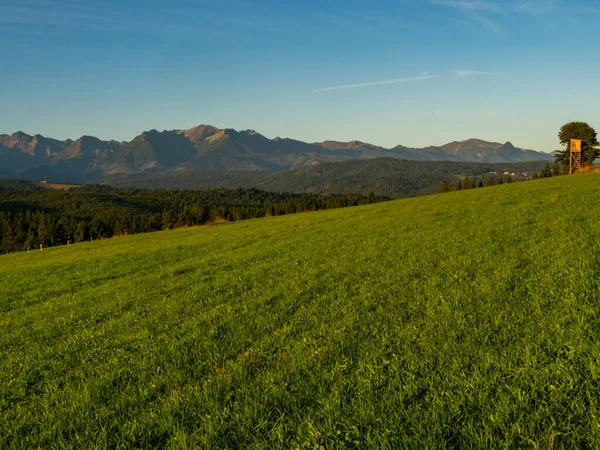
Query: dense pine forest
{"type": "Point", "coordinates": [31, 216]}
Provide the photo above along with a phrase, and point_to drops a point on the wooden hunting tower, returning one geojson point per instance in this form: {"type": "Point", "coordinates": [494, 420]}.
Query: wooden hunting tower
{"type": "Point", "coordinates": [576, 156]}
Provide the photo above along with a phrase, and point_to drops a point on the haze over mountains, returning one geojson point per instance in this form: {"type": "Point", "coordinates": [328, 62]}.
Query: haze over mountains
{"type": "Point", "coordinates": [206, 147]}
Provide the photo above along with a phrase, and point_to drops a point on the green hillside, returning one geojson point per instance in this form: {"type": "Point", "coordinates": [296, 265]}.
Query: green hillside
{"type": "Point", "coordinates": [463, 320]}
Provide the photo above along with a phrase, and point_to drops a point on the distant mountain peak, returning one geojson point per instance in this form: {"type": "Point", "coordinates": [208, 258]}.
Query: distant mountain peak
{"type": "Point", "coordinates": [476, 141]}
{"type": "Point", "coordinates": [20, 135]}
{"type": "Point", "coordinates": [149, 133]}
{"type": "Point", "coordinates": [337, 145]}
{"type": "Point", "coordinates": [471, 146]}
{"type": "Point", "coordinates": [87, 138]}
{"type": "Point", "coordinates": [202, 126]}
{"type": "Point", "coordinates": [202, 129]}
{"type": "Point", "coordinates": [200, 133]}
{"type": "Point", "coordinates": [141, 137]}
{"type": "Point", "coordinates": [479, 141]}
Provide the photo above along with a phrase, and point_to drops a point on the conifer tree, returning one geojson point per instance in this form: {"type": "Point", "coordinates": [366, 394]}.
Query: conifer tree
{"type": "Point", "coordinates": [444, 187]}
{"type": "Point", "coordinates": [556, 169]}
{"type": "Point", "coordinates": [29, 239]}
{"type": "Point", "coordinates": [466, 184]}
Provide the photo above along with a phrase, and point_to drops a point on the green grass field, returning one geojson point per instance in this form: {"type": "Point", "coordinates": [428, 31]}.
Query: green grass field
{"type": "Point", "coordinates": [463, 320]}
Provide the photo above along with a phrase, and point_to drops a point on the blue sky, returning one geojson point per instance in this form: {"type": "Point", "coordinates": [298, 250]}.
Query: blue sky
{"type": "Point", "coordinates": [390, 72]}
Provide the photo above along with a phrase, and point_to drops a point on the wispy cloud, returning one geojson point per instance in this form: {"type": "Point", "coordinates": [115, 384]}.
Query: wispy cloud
{"type": "Point", "coordinates": [464, 113]}
{"type": "Point", "coordinates": [496, 6]}
{"type": "Point", "coordinates": [376, 83]}
{"type": "Point", "coordinates": [537, 7]}
{"type": "Point", "coordinates": [471, 5]}
{"type": "Point", "coordinates": [475, 73]}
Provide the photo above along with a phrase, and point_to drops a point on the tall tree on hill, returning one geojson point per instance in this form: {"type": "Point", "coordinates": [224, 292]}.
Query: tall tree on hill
{"type": "Point", "coordinates": [557, 169]}
{"type": "Point", "coordinates": [444, 187]}
{"type": "Point", "coordinates": [7, 242]}
{"type": "Point", "coordinates": [578, 130]}
{"type": "Point", "coordinates": [29, 239]}
{"type": "Point", "coordinates": [547, 171]}
{"type": "Point", "coordinates": [168, 219]}
{"type": "Point", "coordinates": [81, 232]}
{"type": "Point", "coordinates": [204, 215]}
{"type": "Point", "coordinates": [42, 231]}
{"type": "Point", "coordinates": [466, 183]}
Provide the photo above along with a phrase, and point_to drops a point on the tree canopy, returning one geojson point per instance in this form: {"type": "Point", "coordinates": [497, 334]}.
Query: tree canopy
{"type": "Point", "coordinates": [578, 130]}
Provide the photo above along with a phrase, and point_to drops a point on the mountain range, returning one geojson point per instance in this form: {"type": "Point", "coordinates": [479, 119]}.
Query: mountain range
{"type": "Point", "coordinates": [206, 148]}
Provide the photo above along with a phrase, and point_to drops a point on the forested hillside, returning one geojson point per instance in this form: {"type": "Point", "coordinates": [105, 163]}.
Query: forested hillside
{"type": "Point", "coordinates": [384, 176]}
{"type": "Point", "coordinates": [30, 215]}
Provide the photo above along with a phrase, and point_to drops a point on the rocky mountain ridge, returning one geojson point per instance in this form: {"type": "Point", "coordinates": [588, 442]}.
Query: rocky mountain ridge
{"type": "Point", "coordinates": [206, 147]}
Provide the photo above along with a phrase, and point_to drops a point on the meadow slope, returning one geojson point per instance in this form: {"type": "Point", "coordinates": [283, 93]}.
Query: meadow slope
{"type": "Point", "coordinates": [468, 319]}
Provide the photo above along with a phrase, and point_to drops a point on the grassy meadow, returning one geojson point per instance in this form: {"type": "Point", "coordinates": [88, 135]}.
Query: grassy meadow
{"type": "Point", "coordinates": [463, 320]}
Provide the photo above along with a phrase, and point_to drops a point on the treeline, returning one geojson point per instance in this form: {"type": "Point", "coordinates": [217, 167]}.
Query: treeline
{"type": "Point", "coordinates": [472, 183]}
{"type": "Point", "coordinates": [551, 171]}
{"type": "Point", "coordinates": [29, 218]}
